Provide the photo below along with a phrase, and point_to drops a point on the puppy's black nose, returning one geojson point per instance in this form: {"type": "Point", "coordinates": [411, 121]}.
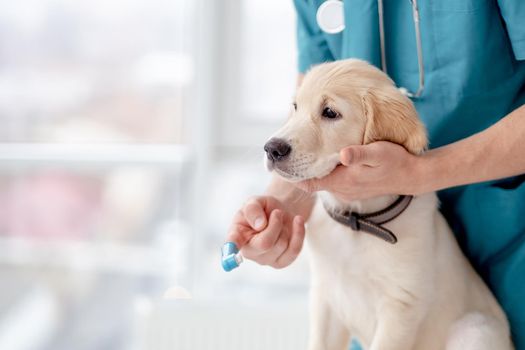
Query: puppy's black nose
{"type": "Point", "coordinates": [277, 149]}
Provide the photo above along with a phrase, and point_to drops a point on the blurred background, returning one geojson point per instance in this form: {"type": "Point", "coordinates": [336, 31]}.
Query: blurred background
{"type": "Point", "coordinates": [130, 132]}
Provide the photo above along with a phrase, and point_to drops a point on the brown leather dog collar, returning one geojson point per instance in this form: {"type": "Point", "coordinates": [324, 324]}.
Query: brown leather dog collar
{"type": "Point", "coordinates": [371, 222]}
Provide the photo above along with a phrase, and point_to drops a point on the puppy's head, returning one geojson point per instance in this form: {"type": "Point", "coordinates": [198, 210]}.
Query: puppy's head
{"type": "Point", "coordinates": [340, 104]}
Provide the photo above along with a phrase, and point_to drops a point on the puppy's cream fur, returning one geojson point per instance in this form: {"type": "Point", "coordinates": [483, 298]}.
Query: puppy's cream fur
{"type": "Point", "coordinates": [420, 293]}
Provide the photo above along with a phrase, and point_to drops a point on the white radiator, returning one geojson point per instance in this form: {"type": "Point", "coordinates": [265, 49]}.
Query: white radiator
{"type": "Point", "coordinates": [191, 327]}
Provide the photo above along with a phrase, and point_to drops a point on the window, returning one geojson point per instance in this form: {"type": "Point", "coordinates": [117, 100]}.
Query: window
{"type": "Point", "coordinates": [268, 60]}
{"type": "Point", "coordinates": [94, 161]}
{"type": "Point", "coordinates": [114, 180]}
{"type": "Point", "coordinates": [258, 69]}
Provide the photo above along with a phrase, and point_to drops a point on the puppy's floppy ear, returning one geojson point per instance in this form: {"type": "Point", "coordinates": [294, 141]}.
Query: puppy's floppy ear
{"type": "Point", "coordinates": [391, 116]}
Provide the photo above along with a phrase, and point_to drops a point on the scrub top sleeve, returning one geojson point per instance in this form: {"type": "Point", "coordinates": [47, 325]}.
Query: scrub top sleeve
{"type": "Point", "coordinates": [513, 12]}
{"type": "Point", "coordinates": [311, 43]}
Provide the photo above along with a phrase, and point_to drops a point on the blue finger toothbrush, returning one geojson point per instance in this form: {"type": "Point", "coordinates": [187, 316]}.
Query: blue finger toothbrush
{"type": "Point", "coordinates": [231, 258]}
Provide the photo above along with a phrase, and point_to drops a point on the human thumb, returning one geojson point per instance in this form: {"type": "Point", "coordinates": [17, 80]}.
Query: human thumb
{"type": "Point", "coordinates": [361, 154]}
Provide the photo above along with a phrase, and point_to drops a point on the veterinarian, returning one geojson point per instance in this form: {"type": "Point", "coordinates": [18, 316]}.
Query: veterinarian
{"type": "Point", "coordinates": [463, 64]}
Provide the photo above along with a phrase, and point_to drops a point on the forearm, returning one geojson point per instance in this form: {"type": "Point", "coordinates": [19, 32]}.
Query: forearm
{"type": "Point", "coordinates": [300, 202]}
{"type": "Point", "coordinates": [494, 153]}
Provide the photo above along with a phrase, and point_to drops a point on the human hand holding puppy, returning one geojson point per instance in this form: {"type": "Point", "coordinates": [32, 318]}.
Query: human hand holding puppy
{"type": "Point", "coordinates": [371, 170]}
{"type": "Point", "coordinates": [268, 230]}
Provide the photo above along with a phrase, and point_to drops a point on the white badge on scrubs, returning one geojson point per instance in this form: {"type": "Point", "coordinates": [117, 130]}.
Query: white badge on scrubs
{"type": "Point", "coordinates": [330, 16]}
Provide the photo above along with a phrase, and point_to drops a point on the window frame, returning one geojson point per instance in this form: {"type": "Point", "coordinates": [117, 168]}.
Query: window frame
{"type": "Point", "coordinates": [236, 130]}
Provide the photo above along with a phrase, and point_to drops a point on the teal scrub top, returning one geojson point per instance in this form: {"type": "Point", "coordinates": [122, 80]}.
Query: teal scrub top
{"type": "Point", "coordinates": [474, 61]}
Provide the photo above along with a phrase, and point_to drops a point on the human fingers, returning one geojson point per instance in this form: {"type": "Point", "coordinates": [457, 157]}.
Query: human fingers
{"type": "Point", "coordinates": [265, 240]}
{"type": "Point", "coordinates": [295, 244]}
{"type": "Point", "coordinates": [281, 245]}
{"type": "Point", "coordinates": [362, 154]}
{"type": "Point", "coordinates": [240, 231]}
{"type": "Point", "coordinates": [254, 213]}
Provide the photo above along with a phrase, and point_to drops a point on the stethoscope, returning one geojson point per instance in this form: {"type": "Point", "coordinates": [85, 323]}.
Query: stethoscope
{"type": "Point", "coordinates": [330, 18]}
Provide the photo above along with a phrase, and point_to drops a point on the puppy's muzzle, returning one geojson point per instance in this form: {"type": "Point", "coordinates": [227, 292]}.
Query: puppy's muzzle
{"type": "Point", "coordinates": [277, 149]}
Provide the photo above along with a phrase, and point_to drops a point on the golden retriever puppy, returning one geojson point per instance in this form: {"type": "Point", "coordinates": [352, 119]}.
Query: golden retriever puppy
{"type": "Point", "coordinates": [387, 270]}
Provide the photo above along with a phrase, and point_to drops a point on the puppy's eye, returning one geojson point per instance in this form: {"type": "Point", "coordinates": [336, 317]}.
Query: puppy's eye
{"type": "Point", "coordinates": [330, 113]}
{"type": "Point", "coordinates": [294, 106]}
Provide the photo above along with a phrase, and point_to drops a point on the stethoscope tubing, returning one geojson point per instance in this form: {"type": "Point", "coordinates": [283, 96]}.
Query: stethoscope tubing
{"type": "Point", "coordinates": [419, 48]}
{"type": "Point", "coordinates": [417, 29]}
